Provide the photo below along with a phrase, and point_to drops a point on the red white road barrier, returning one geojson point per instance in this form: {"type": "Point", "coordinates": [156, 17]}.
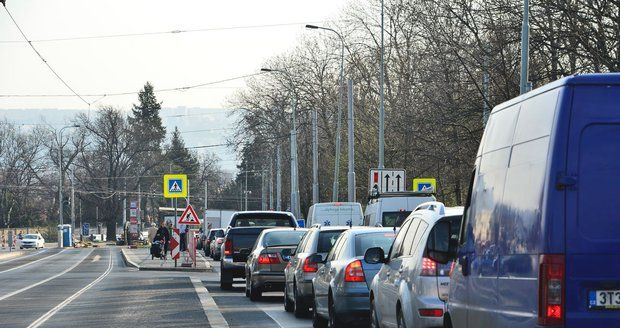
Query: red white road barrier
{"type": "Point", "coordinates": [175, 244]}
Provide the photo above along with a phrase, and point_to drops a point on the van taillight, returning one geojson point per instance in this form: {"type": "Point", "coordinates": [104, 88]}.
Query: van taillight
{"type": "Point", "coordinates": [551, 282]}
{"type": "Point", "coordinates": [228, 247]}
{"type": "Point", "coordinates": [429, 267]}
{"type": "Point", "coordinates": [354, 272]}
{"type": "Point", "coordinates": [310, 267]}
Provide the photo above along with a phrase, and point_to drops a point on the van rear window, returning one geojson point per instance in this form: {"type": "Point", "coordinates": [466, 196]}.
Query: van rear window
{"type": "Point", "coordinates": [394, 219]}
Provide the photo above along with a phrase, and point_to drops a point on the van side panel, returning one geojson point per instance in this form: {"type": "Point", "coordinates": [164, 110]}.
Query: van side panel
{"type": "Point", "coordinates": [593, 205]}
{"type": "Point", "coordinates": [520, 218]}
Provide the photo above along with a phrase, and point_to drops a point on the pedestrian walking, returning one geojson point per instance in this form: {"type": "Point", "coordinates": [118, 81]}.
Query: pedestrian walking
{"type": "Point", "coordinates": [163, 234]}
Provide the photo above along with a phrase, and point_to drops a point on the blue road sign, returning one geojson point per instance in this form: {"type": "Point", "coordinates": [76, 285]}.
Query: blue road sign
{"type": "Point", "coordinates": [85, 229]}
{"type": "Point", "coordinates": [301, 223]}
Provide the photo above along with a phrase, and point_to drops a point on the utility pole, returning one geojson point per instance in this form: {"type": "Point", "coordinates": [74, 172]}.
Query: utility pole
{"type": "Point", "coordinates": [206, 195]}
{"type": "Point", "coordinates": [139, 207]}
{"type": "Point", "coordinates": [315, 158]}
{"type": "Point", "coordinates": [246, 190]}
{"type": "Point", "coordinates": [271, 184]}
{"type": "Point", "coordinates": [124, 205]}
{"type": "Point", "coordinates": [525, 48]}
{"type": "Point", "coordinates": [381, 100]}
{"type": "Point", "coordinates": [263, 191]}
{"type": "Point", "coordinates": [72, 208]}
{"type": "Point", "coordinates": [279, 179]}
{"type": "Point", "coordinates": [351, 175]}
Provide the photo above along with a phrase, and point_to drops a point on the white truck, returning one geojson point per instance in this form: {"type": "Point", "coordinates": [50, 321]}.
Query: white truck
{"type": "Point", "coordinates": [215, 218]}
{"type": "Point", "coordinates": [391, 209]}
{"type": "Point", "coordinates": [335, 214]}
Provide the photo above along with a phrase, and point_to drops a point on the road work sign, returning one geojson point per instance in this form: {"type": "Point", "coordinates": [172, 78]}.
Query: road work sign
{"type": "Point", "coordinates": [189, 216]}
{"type": "Point", "coordinates": [386, 180]}
{"type": "Point", "coordinates": [175, 186]}
{"type": "Point", "coordinates": [425, 185]}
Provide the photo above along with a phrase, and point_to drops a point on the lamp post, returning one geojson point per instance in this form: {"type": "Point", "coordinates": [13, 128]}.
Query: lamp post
{"type": "Point", "coordinates": [294, 176]}
{"type": "Point", "coordinates": [61, 176]}
{"type": "Point", "coordinates": [381, 99]}
{"type": "Point", "coordinates": [339, 119]}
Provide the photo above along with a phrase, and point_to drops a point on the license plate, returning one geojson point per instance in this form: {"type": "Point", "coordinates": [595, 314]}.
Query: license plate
{"type": "Point", "coordinates": [604, 299]}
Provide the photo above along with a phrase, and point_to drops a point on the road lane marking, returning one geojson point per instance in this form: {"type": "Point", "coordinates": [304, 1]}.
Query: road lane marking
{"type": "Point", "coordinates": [25, 257]}
{"type": "Point", "coordinates": [96, 258]}
{"type": "Point", "coordinates": [69, 299]}
{"type": "Point", "coordinates": [45, 280]}
{"type": "Point", "coordinates": [215, 317]}
{"type": "Point", "coordinates": [33, 262]}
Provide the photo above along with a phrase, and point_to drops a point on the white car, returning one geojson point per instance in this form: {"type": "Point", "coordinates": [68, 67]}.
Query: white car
{"type": "Point", "coordinates": [32, 240]}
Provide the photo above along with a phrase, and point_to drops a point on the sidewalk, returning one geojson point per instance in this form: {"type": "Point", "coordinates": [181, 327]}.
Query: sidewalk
{"type": "Point", "coordinates": [6, 255]}
{"type": "Point", "coordinates": [141, 258]}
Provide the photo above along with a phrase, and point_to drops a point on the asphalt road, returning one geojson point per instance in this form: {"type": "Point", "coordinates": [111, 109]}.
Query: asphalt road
{"type": "Point", "coordinates": [93, 287]}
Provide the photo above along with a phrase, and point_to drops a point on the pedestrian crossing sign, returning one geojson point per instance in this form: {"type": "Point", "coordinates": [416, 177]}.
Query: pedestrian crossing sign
{"type": "Point", "coordinates": [425, 185]}
{"type": "Point", "coordinates": [175, 186]}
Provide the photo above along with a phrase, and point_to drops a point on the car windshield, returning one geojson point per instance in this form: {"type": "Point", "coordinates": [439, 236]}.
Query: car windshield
{"type": "Point", "coordinates": [327, 240]}
{"type": "Point", "coordinates": [282, 238]}
{"type": "Point", "coordinates": [262, 220]}
{"type": "Point", "coordinates": [374, 239]}
{"type": "Point", "coordinates": [394, 219]}
{"type": "Point", "coordinates": [31, 237]}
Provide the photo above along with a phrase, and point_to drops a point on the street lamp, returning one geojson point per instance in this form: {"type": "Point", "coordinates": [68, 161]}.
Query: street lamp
{"type": "Point", "coordinates": [61, 176]}
{"type": "Point", "coordinates": [294, 176]}
{"type": "Point", "coordinates": [339, 120]}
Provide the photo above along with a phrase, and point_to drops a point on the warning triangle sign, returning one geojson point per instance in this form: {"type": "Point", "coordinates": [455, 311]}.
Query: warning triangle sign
{"type": "Point", "coordinates": [189, 216]}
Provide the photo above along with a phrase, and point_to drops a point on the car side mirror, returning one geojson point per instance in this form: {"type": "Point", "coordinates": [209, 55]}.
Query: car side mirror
{"type": "Point", "coordinates": [316, 259]}
{"type": "Point", "coordinates": [442, 247]}
{"type": "Point", "coordinates": [374, 255]}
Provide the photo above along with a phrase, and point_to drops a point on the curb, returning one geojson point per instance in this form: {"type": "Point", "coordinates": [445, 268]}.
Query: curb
{"type": "Point", "coordinates": [131, 263]}
{"type": "Point", "coordinates": [127, 261]}
{"type": "Point", "coordinates": [11, 255]}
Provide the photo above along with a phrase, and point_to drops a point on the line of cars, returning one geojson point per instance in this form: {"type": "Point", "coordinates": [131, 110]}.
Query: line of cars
{"type": "Point", "coordinates": [333, 272]}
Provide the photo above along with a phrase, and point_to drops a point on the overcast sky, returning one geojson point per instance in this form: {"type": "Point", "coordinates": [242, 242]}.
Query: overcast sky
{"type": "Point", "coordinates": [122, 64]}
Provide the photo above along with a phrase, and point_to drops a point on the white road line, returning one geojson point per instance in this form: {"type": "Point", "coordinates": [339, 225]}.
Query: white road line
{"type": "Point", "coordinates": [33, 262]}
{"type": "Point", "coordinates": [60, 306]}
{"type": "Point", "coordinates": [25, 257]}
{"type": "Point", "coordinates": [96, 258]}
{"type": "Point", "coordinates": [215, 317]}
{"type": "Point", "coordinates": [45, 280]}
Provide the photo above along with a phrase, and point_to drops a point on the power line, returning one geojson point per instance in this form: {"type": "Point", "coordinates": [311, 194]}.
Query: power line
{"type": "Point", "coordinates": [125, 35]}
{"type": "Point", "coordinates": [40, 56]}
{"type": "Point", "coordinates": [184, 88]}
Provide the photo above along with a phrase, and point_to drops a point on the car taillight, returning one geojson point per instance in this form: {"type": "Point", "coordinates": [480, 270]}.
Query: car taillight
{"type": "Point", "coordinates": [431, 312]}
{"type": "Point", "coordinates": [354, 272]}
{"type": "Point", "coordinates": [551, 290]}
{"type": "Point", "coordinates": [219, 240]}
{"type": "Point", "coordinates": [268, 259]}
{"type": "Point", "coordinates": [228, 247]}
{"type": "Point", "coordinates": [429, 267]}
{"type": "Point", "coordinates": [310, 267]}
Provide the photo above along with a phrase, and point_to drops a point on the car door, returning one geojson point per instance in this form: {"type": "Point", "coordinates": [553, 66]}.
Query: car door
{"type": "Point", "coordinates": [388, 289]}
{"type": "Point", "coordinates": [289, 272]}
{"type": "Point", "coordinates": [321, 280]}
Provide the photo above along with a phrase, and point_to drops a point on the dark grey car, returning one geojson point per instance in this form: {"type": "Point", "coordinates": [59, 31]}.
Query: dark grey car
{"type": "Point", "coordinates": [299, 272]}
{"type": "Point", "coordinates": [341, 285]}
{"type": "Point", "coordinates": [264, 269]}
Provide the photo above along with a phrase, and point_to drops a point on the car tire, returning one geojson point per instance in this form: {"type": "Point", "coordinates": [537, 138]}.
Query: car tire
{"type": "Point", "coordinates": [299, 308]}
{"type": "Point", "coordinates": [333, 320]}
{"type": "Point", "coordinates": [247, 286]}
{"type": "Point", "coordinates": [374, 319]}
{"type": "Point", "coordinates": [289, 306]}
{"type": "Point", "coordinates": [225, 281]}
{"type": "Point", "coordinates": [317, 320]}
{"type": "Point", "coordinates": [447, 321]}
{"type": "Point", "coordinates": [255, 293]}
{"type": "Point", "coordinates": [400, 319]}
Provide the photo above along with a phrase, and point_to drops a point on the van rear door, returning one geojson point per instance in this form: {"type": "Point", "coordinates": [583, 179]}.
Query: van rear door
{"type": "Point", "coordinates": [592, 185]}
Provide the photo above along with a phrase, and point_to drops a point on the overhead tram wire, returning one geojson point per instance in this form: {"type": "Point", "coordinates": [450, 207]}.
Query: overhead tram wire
{"type": "Point", "coordinates": [41, 56]}
{"type": "Point", "coordinates": [125, 35]}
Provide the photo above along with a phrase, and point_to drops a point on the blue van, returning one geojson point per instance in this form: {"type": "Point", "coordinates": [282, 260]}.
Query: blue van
{"type": "Point", "coordinates": [540, 241]}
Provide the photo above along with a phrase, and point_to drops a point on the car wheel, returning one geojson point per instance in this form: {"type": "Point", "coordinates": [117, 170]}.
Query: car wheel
{"type": "Point", "coordinates": [400, 319]}
{"type": "Point", "coordinates": [317, 320]}
{"type": "Point", "coordinates": [247, 286]}
{"type": "Point", "coordinates": [255, 293]}
{"type": "Point", "coordinates": [289, 306]}
{"type": "Point", "coordinates": [374, 319]}
{"type": "Point", "coordinates": [225, 282]}
{"type": "Point", "coordinates": [299, 308]}
{"type": "Point", "coordinates": [333, 319]}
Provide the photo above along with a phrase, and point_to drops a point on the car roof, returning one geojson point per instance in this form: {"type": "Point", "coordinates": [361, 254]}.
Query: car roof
{"type": "Point", "coordinates": [330, 228]}
{"type": "Point", "coordinates": [366, 230]}
{"type": "Point", "coordinates": [284, 229]}
{"type": "Point", "coordinates": [263, 212]}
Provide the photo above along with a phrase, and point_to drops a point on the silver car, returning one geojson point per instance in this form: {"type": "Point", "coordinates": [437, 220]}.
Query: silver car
{"type": "Point", "coordinates": [264, 268]}
{"type": "Point", "coordinates": [299, 272]}
{"type": "Point", "coordinates": [341, 285]}
{"type": "Point", "coordinates": [410, 289]}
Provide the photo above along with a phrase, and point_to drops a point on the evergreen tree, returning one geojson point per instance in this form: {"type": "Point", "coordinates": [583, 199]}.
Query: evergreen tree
{"type": "Point", "coordinates": [182, 160]}
{"type": "Point", "coordinates": [145, 120]}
